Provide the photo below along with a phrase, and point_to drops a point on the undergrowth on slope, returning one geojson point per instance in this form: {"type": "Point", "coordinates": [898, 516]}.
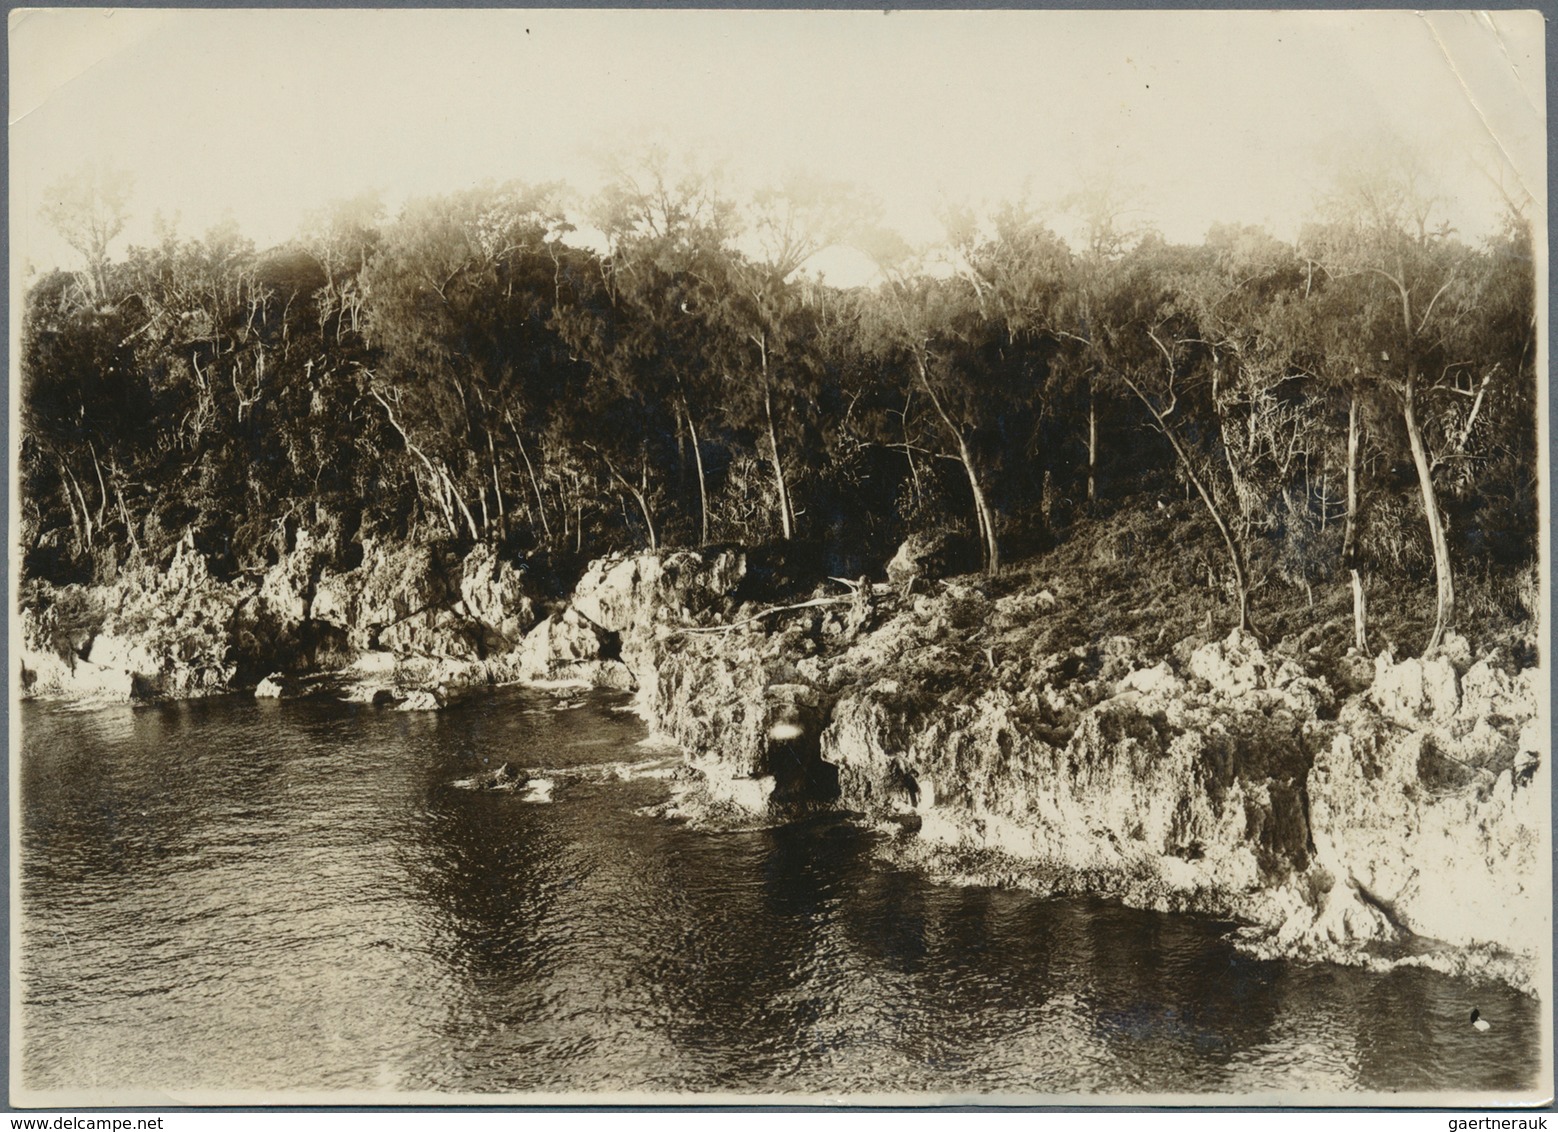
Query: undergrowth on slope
{"type": "Point", "coordinates": [1157, 572]}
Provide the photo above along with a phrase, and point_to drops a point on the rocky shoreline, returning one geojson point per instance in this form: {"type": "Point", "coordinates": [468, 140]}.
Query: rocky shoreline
{"type": "Point", "coordinates": [1372, 811]}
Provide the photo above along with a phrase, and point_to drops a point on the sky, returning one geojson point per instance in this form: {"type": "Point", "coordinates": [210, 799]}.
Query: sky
{"type": "Point", "coordinates": [263, 116]}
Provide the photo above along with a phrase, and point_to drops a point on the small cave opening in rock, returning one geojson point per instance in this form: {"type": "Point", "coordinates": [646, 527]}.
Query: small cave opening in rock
{"type": "Point", "coordinates": [796, 764]}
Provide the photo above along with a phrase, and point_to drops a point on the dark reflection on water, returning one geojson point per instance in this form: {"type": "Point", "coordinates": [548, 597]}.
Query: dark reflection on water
{"type": "Point", "coordinates": [293, 896]}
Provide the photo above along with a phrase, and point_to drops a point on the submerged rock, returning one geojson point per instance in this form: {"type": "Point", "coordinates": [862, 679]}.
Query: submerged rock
{"type": "Point", "coordinates": [503, 778]}
{"type": "Point", "coordinates": [538, 790]}
{"type": "Point", "coordinates": [421, 699]}
{"type": "Point", "coordinates": [270, 688]}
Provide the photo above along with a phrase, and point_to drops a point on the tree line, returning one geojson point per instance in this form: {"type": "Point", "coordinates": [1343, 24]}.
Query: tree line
{"type": "Point", "coordinates": [1363, 396]}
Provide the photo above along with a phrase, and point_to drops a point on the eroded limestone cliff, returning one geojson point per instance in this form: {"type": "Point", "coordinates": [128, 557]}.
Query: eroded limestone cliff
{"type": "Point", "coordinates": [1370, 810]}
{"type": "Point", "coordinates": [1381, 812]}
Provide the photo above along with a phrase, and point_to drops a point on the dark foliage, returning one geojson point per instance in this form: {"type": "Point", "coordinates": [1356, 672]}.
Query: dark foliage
{"type": "Point", "coordinates": [461, 374]}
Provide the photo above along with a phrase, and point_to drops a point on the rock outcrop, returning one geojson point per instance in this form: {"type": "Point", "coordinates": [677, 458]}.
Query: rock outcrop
{"type": "Point", "coordinates": [403, 622]}
{"type": "Point", "coordinates": [495, 595]}
{"type": "Point", "coordinates": [153, 633]}
{"type": "Point", "coordinates": [1226, 779]}
{"type": "Point", "coordinates": [178, 631]}
{"type": "Point", "coordinates": [1430, 801]}
{"type": "Point", "coordinates": [1356, 815]}
{"type": "Point", "coordinates": [273, 687]}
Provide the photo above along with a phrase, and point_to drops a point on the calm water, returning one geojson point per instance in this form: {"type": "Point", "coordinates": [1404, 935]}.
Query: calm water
{"type": "Point", "coordinates": [294, 896]}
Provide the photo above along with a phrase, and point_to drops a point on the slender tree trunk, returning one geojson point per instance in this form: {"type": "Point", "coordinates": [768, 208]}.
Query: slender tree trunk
{"type": "Point", "coordinates": [441, 493]}
{"type": "Point", "coordinates": [982, 515]}
{"type": "Point", "coordinates": [535, 484]}
{"type": "Point", "coordinates": [1350, 557]}
{"type": "Point", "coordinates": [444, 502]}
{"type": "Point", "coordinates": [465, 512]}
{"type": "Point", "coordinates": [908, 453]}
{"type": "Point", "coordinates": [438, 476]}
{"type": "Point", "coordinates": [1360, 613]}
{"type": "Point", "coordinates": [497, 486]}
{"type": "Point", "coordinates": [1235, 557]}
{"type": "Point", "coordinates": [1092, 444]}
{"type": "Point", "coordinates": [638, 496]}
{"type": "Point", "coordinates": [83, 539]}
{"type": "Point", "coordinates": [982, 510]}
{"type": "Point", "coordinates": [786, 515]}
{"type": "Point", "coordinates": [102, 487]}
{"type": "Point", "coordinates": [681, 449]}
{"type": "Point", "coordinates": [1444, 583]}
{"type": "Point", "coordinates": [86, 513]}
{"type": "Point", "coordinates": [124, 515]}
{"type": "Point", "coordinates": [1471, 417]}
{"type": "Point", "coordinates": [703, 488]}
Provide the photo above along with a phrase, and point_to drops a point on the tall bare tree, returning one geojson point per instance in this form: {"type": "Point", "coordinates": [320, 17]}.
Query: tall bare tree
{"type": "Point", "coordinates": [89, 209]}
{"type": "Point", "coordinates": [1408, 276]}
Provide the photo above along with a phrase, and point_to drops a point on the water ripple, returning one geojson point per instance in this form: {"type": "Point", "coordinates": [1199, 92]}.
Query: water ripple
{"type": "Point", "coordinates": [292, 896]}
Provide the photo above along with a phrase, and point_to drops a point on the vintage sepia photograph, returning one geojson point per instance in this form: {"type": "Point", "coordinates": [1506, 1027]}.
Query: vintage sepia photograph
{"type": "Point", "coordinates": [776, 557]}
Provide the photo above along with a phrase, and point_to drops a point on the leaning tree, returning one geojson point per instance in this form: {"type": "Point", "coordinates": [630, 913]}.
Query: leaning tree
{"type": "Point", "coordinates": [1414, 297]}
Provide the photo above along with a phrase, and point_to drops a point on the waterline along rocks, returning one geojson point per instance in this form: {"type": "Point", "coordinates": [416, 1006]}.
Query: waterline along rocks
{"type": "Point", "coordinates": [1366, 810]}
{"type": "Point", "coordinates": [1384, 814]}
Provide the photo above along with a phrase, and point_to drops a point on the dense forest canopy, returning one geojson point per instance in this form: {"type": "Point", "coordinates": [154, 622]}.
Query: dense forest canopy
{"type": "Point", "coordinates": [1353, 406]}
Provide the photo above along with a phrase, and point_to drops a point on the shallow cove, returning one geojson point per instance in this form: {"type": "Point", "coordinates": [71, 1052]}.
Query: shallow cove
{"type": "Point", "coordinates": [294, 896]}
